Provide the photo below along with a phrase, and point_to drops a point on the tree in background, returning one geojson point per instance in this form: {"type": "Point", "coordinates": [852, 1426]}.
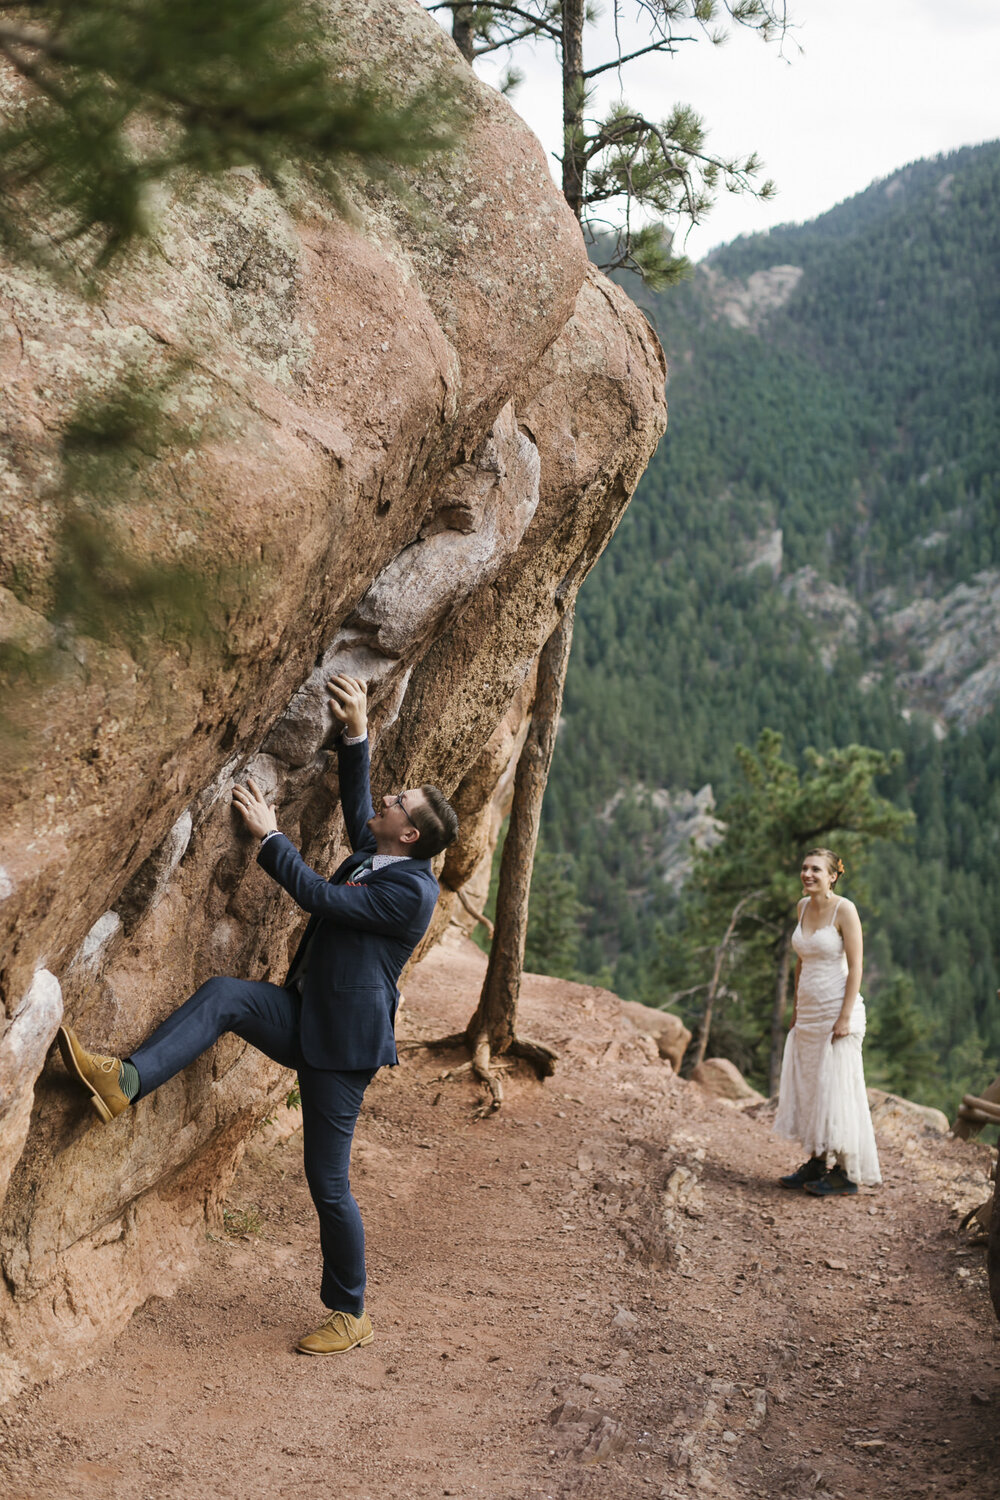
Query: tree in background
{"type": "Point", "coordinates": [898, 1043]}
{"type": "Point", "coordinates": [659, 167]}
{"type": "Point", "coordinates": [492, 1031]}
{"type": "Point", "coordinates": [816, 424]}
{"type": "Point", "coordinates": [740, 907]}
{"type": "Point", "coordinates": [622, 170]}
{"type": "Point", "coordinates": [553, 937]}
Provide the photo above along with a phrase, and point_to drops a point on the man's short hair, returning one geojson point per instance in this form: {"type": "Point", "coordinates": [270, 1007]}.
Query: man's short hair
{"type": "Point", "coordinates": [436, 822]}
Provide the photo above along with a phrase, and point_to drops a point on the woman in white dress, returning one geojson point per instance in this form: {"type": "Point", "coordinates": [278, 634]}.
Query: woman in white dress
{"type": "Point", "coordinates": [822, 1101]}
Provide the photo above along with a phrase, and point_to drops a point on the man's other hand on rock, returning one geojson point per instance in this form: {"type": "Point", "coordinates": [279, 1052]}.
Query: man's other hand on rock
{"type": "Point", "coordinates": [257, 816]}
{"type": "Point", "coordinates": [349, 704]}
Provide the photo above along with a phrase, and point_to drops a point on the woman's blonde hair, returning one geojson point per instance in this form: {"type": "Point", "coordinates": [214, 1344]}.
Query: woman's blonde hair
{"type": "Point", "coordinates": [834, 863]}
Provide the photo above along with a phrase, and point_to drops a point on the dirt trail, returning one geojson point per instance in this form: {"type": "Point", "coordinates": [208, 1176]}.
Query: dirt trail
{"type": "Point", "coordinates": [598, 1293]}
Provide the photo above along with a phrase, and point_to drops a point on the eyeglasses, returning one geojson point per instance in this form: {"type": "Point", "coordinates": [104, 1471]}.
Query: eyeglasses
{"type": "Point", "coordinates": [398, 802]}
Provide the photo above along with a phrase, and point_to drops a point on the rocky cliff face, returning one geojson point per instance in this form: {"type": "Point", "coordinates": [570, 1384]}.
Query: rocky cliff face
{"type": "Point", "coordinates": [415, 433]}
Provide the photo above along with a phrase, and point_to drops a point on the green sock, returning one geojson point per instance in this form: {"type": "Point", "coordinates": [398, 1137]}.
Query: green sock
{"type": "Point", "coordinates": [128, 1081]}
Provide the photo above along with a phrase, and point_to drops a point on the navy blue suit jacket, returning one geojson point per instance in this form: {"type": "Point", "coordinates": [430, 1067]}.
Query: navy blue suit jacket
{"type": "Point", "coordinates": [359, 936]}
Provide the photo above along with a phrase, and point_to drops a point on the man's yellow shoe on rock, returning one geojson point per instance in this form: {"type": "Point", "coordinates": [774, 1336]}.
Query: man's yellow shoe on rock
{"type": "Point", "coordinates": [339, 1333]}
{"type": "Point", "coordinates": [100, 1076]}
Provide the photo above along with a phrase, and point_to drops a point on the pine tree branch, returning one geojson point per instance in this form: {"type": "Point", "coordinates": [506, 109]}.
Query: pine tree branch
{"type": "Point", "coordinates": [683, 994]}
{"type": "Point", "coordinates": [520, 36]}
{"type": "Point", "coordinates": [619, 62]}
{"type": "Point", "coordinates": [508, 10]}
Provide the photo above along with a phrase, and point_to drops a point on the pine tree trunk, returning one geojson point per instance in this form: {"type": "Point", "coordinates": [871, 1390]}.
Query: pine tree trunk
{"type": "Point", "coordinates": [462, 32]}
{"type": "Point", "coordinates": [993, 1249]}
{"type": "Point", "coordinates": [492, 1030]}
{"type": "Point", "coordinates": [780, 1006]}
{"type": "Point", "coordinates": [574, 93]}
{"type": "Point", "coordinates": [713, 985]}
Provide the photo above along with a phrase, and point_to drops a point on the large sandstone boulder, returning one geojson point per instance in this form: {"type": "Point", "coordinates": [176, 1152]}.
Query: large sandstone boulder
{"type": "Point", "coordinates": [900, 1118]}
{"type": "Point", "coordinates": [412, 436]}
{"type": "Point", "coordinates": [723, 1078]}
{"type": "Point", "coordinates": [671, 1036]}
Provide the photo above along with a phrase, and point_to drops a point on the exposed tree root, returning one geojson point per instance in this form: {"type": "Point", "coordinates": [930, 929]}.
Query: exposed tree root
{"type": "Point", "coordinates": [435, 1044]}
{"type": "Point", "coordinates": [486, 1074]}
{"type": "Point", "coordinates": [541, 1058]}
{"type": "Point", "coordinates": [484, 1064]}
{"type": "Point", "coordinates": [490, 1035]}
{"type": "Point", "coordinates": [474, 911]}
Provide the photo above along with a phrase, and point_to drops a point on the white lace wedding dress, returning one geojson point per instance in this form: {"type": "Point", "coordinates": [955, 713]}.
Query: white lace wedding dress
{"type": "Point", "coordinates": [821, 1099]}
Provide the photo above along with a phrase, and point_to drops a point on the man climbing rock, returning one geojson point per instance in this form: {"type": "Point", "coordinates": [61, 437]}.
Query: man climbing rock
{"type": "Point", "coordinates": [332, 1019]}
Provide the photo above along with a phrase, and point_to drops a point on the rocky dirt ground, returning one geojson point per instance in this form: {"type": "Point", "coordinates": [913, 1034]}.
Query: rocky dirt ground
{"type": "Point", "coordinates": [599, 1292]}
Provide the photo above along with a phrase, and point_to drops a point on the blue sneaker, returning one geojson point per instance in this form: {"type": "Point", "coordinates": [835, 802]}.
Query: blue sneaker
{"type": "Point", "coordinates": [810, 1171]}
{"type": "Point", "coordinates": [833, 1184]}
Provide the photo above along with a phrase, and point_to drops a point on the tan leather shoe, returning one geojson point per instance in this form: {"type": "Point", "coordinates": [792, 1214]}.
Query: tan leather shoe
{"type": "Point", "coordinates": [99, 1075]}
{"type": "Point", "coordinates": [339, 1333]}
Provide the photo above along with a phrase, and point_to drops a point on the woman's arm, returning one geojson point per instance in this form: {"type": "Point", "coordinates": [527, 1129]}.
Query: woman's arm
{"type": "Point", "coordinates": [795, 999]}
{"type": "Point", "coordinates": [798, 971]}
{"type": "Point", "coordinates": [849, 924]}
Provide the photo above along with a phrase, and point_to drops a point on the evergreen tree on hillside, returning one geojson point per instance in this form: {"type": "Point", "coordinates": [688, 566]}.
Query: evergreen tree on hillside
{"type": "Point", "coordinates": [553, 937]}
{"type": "Point", "coordinates": [849, 426]}
{"type": "Point", "coordinates": [898, 1044]}
{"type": "Point", "coordinates": [744, 889]}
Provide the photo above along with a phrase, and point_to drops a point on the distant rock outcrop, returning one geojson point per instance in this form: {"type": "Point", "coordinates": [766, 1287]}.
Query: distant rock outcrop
{"type": "Point", "coordinates": [746, 304]}
{"type": "Point", "coordinates": [686, 822]}
{"type": "Point", "coordinates": [835, 610]}
{"type": "Point", "coordinates": [948, 648]}
{"type": "Point", "coordinates": [418, 432]}
{"type": "Point", "coordinates": [957, 639]}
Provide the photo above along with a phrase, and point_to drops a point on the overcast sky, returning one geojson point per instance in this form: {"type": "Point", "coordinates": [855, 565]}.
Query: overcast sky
{"type": "Point", "coordinates": [877, 84]}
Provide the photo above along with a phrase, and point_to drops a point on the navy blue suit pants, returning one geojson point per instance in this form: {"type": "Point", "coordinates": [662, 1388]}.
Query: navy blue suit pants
{"type": "Point", "coordinates": [267, 1016]}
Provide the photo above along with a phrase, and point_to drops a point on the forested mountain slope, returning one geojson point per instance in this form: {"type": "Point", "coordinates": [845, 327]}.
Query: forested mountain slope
{"type": "Point", "coordinates": [815, 547]}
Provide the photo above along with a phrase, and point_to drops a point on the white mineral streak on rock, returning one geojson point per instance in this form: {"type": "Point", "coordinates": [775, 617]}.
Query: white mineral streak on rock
{"type": "Point", "coordinates": [172, 851]}
{"type": "Point", "coordinates": [220, 786]}
{"type": "Point", "coordinates": [91, 950]}
{"type": "Point", "coordinates": [22, 1052]}
{"type": "Point", "coordinates": [479, 519]}
{"type": "Point", "coordinates": [151, 881]}
{"type": "Point", "coordinates": [268, 773]}
{"type": "Point", "coordinates": [6, 885]}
